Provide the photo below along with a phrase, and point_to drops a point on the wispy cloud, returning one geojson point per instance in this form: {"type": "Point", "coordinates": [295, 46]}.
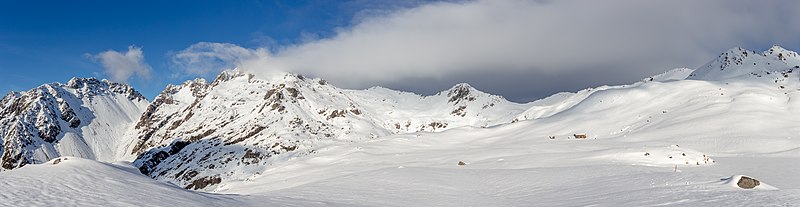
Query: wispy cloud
{"type": "Point", "coordinates": [120, 67]}
{"type": "Point", "coordinates": [550, 41]}
{"type": "Point", "coordinates": [207, 57]}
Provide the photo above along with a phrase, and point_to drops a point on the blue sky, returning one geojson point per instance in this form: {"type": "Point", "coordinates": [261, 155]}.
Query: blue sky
{"type": "Point", "coordinates": [521, 49]}
{"type": "Point", "coordinates": [48, 41]}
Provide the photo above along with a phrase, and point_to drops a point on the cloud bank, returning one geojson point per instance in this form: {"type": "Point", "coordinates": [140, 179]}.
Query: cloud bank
{"type": "Point", "coordinates": [120, 67]}
{"type": "Point", "coordinates": [491, 43]}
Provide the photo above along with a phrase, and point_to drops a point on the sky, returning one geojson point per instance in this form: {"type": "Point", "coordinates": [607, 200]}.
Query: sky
{"type": "Point", "coordinates": [523, 50]}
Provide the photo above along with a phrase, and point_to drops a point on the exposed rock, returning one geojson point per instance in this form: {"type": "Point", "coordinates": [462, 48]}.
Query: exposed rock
{"type": "Point", "coordinates": [337, 113]}
{"type": "Point", "coordinates": [459, 111]}
{"type": "Point", "coordinates": [747, 182]}
{"type": "Point", "coordinates": [204, 182]}
{"type": "Point", "coordinates": [460, 92]}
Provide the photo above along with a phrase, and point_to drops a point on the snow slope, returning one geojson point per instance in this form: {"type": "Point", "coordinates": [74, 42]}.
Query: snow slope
{"type": "Point", "coordinates": [507, 169]}
{"type": "Point", "coordinates": [503, 169]}
{"type": "Point", "coordinates": [72, 181]}
{"type": "Point", "coordinates": [80, 182]}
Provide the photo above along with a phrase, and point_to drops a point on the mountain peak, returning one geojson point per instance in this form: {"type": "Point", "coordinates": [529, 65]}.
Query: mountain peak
{"type": "Point", "coordinates": [228, 75]}
{"type": "Point", "coordinates": [461, 91]}
{"type": "Point", "coordinates": [738, 62]}
{"type": "Point", "coordinates": [270, 77]}
{"type": "Point", "coordinates": [77, 82]}
{"type": "Point", "coordinates": [462, 85]}
{"type": "Point", "coordinates": [782, 54]}
{"type": "Point", "coordinates": [777, 49]}
{"type": "Point", "coordinates": [90, 87]}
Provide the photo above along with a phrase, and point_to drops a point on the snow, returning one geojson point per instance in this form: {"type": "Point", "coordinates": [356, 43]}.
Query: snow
{"type": "Point", "coordinates": [674, 74]}
{"type": "Point", "coordinates": [502, 172]}
{"type": "Point", "coordinates": [681, 138]}
{"type": "Point", "coordinates": [80, 182]}
{"type": "Point", "coordinates": [514, 170]}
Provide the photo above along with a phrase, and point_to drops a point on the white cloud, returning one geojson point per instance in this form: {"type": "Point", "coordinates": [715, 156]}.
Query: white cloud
{"type": "Point", "coordinates": [206, 57]}
{"type": "Point", "coordinates": [120, 67]}
{"type": "Point", "coordinates": [631, 38]}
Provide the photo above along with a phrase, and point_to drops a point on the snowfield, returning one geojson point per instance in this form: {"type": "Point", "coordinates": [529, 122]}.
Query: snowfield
{"type": "Point", "coordinates": [422, 171]}
{"type": "Point", "coordinates": [725, 134]}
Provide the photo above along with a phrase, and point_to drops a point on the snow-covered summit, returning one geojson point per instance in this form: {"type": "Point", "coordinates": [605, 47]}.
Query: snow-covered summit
{"type": "Point", "coordinates": [93, 87]}
{"type": "Point", "coordinates": [739, 62]}
{"type": "Point", "coordinates": [782, 54]}
{"type": "Point", "coordinates": [463, 92]}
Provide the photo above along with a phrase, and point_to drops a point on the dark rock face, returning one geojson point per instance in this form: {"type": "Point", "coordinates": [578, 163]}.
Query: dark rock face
{"type": "Point", "coordinates": [747, 182]}
{"type": "Point", "coordinates": [460, 92]}
{"type": "Point", "coordinates": [204, 182]}
{"type": "Point", "coordinates": [153, 158]}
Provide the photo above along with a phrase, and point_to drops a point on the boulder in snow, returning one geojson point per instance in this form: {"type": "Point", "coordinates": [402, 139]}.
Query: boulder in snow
{"type": "Point", "coordinates": [747, 182]}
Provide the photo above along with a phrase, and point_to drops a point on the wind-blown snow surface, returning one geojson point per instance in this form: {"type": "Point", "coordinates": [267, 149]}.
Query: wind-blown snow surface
{"type": "Point", "coordinates": [660, 141]}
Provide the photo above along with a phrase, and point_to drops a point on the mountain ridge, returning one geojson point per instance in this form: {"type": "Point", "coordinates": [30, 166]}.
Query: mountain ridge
{"type": "Point", "coordinates": [247, 122]}
{"type": "Point", "coordinates": [201, 135]}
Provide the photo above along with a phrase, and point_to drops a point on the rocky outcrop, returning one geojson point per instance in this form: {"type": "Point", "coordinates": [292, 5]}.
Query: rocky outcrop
{"type": "Point", "coordinates": [747, 182]}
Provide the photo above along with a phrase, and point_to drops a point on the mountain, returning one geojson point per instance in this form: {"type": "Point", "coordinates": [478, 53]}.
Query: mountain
{"type": "Point", "coordinates": [688, 136]}
{"type": "Point", "coordinates": [85, 118]}
{"type": "Point", "coordinates": [739, 62]}
{"type": "Point", "coordinates": [198, 134]}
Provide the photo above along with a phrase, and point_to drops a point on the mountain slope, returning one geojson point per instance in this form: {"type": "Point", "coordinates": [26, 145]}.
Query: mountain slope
{"type": "Point", "coordinates": [83, 118]}
{"type": "Point", "coordinates": [198, 134]}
